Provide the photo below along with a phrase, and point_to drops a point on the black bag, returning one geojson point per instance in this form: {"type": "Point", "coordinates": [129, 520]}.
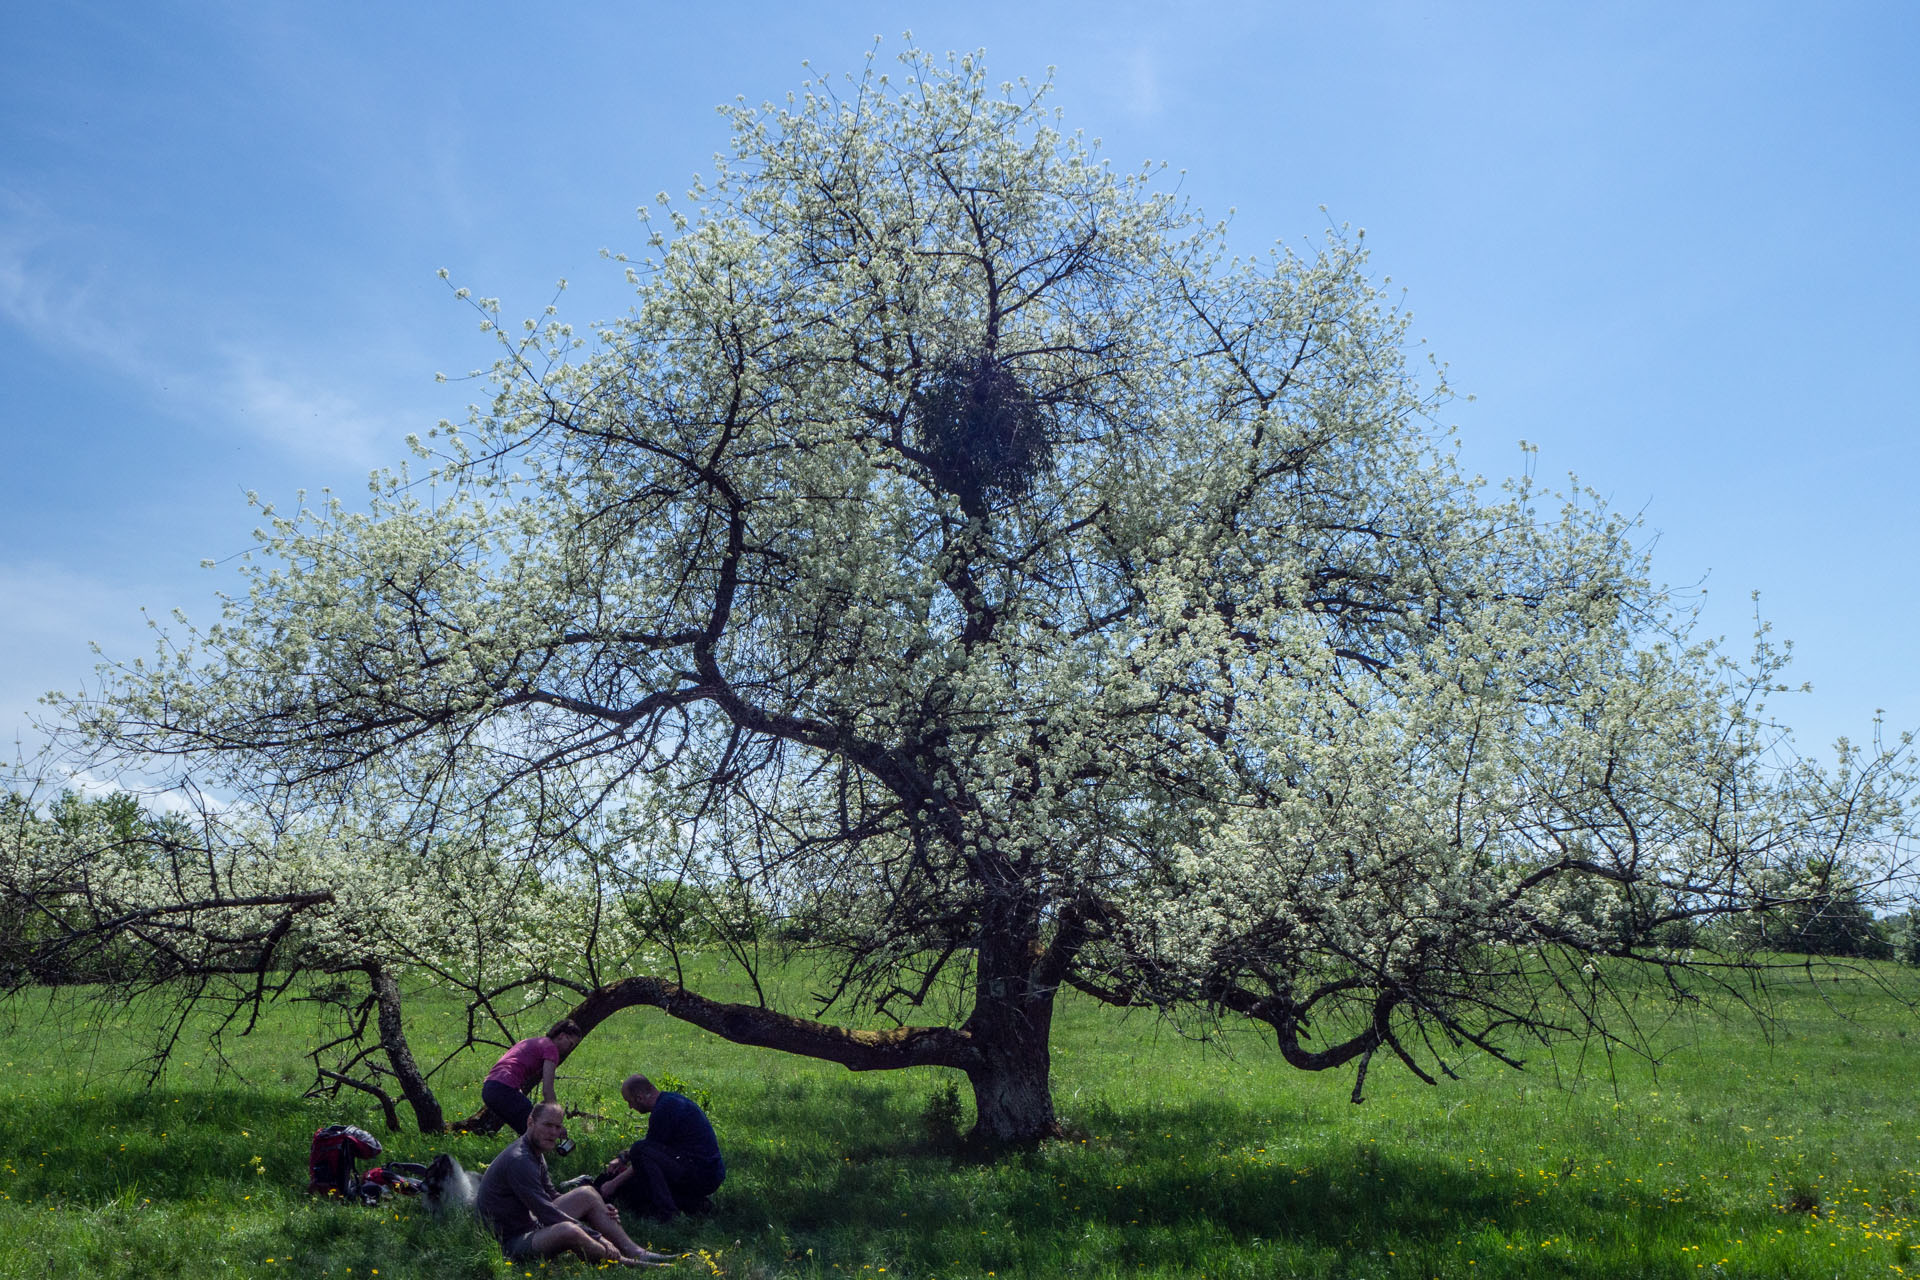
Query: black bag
{"type": "Point", "coordinates": [331, 1158]}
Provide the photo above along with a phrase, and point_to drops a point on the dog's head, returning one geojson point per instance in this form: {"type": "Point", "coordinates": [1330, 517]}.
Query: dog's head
{"type": "Point", "coordinates": [448, 1186]}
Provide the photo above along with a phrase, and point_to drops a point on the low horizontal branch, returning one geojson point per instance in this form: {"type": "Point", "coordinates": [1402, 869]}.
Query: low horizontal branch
{"type": "Point", "coordinates": [856, 1049]}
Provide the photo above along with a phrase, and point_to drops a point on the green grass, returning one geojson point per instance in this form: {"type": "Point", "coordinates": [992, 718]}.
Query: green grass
{"type": "Point", "coordinates": [1742, 1156]}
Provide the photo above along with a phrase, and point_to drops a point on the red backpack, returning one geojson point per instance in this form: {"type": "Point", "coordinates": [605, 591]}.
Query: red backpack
{"type": "Point", "coordinates": [331, 1158]}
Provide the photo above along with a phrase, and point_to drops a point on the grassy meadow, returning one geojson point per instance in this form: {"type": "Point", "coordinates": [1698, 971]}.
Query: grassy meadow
{"type": "Point", "coordinates": [1788, 1154]}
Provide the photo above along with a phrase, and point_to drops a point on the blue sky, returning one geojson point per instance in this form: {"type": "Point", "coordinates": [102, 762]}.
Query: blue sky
{"type": "Point", "coordinates": [1671, 245]}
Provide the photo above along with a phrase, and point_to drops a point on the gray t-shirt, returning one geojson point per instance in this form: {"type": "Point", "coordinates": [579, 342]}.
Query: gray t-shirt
{"type": "Point", "coordinates": [516, 1195]}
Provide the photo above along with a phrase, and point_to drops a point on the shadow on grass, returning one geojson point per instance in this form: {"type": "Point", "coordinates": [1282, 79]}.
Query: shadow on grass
{"type": "Point", "coordinates": [182, 1145]}
{"type": "Point", "coordinates": [846, 1171]}
{"type": "Point", "coordinates": [1159, 1186]}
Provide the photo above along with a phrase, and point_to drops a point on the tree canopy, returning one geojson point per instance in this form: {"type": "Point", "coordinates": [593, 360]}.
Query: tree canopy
{"type": "Point", "coordinates": [958, 572]}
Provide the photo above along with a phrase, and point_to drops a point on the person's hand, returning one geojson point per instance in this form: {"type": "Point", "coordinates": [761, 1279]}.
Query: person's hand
{"type": "Point", "coordinates": [601, 1242]}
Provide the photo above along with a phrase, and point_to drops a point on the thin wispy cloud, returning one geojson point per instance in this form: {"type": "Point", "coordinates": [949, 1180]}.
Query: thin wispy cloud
{"type": "Point", "coordinates": [40, 600]}
{"type": "Point", "coordinates": [48, 616]}
{"type": "Point", "coordinates": [304, 418]}
{"type": "Point", "coordinates": [1141, 75]}
{"type": "Point", "coordinates": [270, 394]}
{"type": "Point", "coordinates": [63, 309]}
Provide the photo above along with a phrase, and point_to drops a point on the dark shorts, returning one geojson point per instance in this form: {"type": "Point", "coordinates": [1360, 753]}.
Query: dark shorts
{"type": "Point", "coordinates": [509, 1104]}
{"type": "Point", "coordinates": [520, 1248]}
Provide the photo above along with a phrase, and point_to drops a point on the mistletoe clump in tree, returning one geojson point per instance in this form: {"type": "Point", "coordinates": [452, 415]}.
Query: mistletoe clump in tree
{"type": "Point", "coordinates": [960, 565]}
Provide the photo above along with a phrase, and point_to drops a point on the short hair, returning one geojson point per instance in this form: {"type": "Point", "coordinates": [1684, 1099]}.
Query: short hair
{"type": "Point", "coordinates": [567, 1027]}
{"type": "Point", "coordinates": [635, 1083]}
{"type": "Point", "coordinates": [539, 1107]}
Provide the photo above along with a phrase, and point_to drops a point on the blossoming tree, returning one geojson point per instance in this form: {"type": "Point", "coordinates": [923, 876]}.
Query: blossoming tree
{"type": "Point", "coordinates": [960, 565]}
{"type": "Point", "coordinates": [220, 908]}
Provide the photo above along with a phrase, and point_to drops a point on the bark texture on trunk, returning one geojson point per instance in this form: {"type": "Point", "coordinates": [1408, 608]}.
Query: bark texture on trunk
{"type": "Point", "coordinates": [393, 1038]}
{"type": "Point", "coordinates": [1013, 1097]}
{"type": "Point", "coordinates": [1011, 1024]}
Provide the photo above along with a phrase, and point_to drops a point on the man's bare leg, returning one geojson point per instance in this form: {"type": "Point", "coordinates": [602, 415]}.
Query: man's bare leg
{"type": "Point", "coordinates": [585, 1204]}
{"type": "Point", "coordinates": [564, 1236]}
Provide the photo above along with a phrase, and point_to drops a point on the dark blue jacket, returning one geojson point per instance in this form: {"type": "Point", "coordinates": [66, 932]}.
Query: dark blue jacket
{"type": "Point", "coordinates": [678, 1124]}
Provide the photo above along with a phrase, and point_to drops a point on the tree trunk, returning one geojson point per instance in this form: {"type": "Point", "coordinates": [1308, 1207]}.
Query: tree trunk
{"type": "Point", "coordinates": [1013, 1094]}
{"type": "Point", "coordinates": [393, 1038]}
{"type": "Point", "coordinates": [1011, 1023]}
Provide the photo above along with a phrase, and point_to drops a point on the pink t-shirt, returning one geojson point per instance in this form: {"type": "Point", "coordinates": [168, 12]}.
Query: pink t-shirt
{"type": "Point", "coordinates": [519, 1067]}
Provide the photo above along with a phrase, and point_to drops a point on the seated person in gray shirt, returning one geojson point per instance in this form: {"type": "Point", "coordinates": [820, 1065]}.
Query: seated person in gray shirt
{"type": "Point", "coordinates": [531, 1220]}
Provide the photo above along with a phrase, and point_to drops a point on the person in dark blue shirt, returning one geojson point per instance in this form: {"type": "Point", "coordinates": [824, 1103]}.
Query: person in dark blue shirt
{"type": "Point", "coordinates": [676, 1166]}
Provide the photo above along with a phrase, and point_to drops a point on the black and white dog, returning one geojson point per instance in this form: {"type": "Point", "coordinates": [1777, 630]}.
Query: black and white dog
{"type": "Point", "coordinates": [449, 1188]}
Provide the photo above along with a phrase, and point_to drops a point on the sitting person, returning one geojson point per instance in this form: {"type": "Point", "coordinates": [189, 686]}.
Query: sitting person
{"type": "Point", "coordinates": [505, 1090]}
{"type": "Point", "coordinates": [676, 1166]}
{"type": "Point", "coordinates": [531, 1220]}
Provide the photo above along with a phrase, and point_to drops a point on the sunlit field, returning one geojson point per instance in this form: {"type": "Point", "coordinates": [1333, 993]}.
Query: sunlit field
{"type": "Point", "coordinates": [1790, 1153]}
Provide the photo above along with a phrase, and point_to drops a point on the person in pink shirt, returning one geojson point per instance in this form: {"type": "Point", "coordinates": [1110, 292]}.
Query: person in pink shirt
{"type": "Point", "coordinates": [528, 1062]}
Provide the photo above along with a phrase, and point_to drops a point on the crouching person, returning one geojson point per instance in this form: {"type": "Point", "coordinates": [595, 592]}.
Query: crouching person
{"type": "Point", "coordinates": [676, 1166]}
{"type": "Point", "coordinates": [527, 1063]}
{"type": "Point", "coordinates": [531, 1220]}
